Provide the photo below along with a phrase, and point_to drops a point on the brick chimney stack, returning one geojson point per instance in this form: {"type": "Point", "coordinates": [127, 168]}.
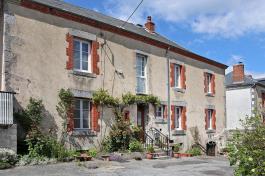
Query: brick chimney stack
{"type": "Point", "coordinates": [238, 72]}
{"type": "Point", "coordinates": [150, 25]}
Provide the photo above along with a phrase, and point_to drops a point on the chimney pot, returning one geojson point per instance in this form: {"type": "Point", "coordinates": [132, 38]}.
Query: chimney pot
{"type": "Point", "coordinates": [149, 25]}
{"type": "Point", "coordinates": [238, 72]}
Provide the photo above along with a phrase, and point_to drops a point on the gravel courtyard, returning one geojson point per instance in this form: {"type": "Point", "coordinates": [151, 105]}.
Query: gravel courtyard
{"type": "Point", "coordinates": [202, 166]}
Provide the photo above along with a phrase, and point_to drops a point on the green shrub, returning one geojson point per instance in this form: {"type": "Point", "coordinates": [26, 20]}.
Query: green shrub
{"type": "Point", "coordinates": [7, 156]}
{"type": "Point", "coordinates": [4, 165]}
{"type": "Point", "coordinates": [196, 151]}
{"type": "Point", "coordinates": [150, 149]}
{"type": "Point", "coordinates": [92, 152]}
{"type": "Point", "coordinates": [177, 148]}
{"type": "Point", "coordinates": [135, 146]}
{"type": "Point", "coordinates": [246, 148]}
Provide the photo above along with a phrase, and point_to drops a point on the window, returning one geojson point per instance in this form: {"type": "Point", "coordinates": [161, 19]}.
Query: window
{"type": "Point", "coordinates": [210, 119]}
{"type": "Point", "coordinates": [177, 69]}
{"type": "Point", "coordinates": [82, 56]}
{"type": "Point", "coordinates": [161, 112]}
{"type": "Point", "coordinates": [81, 114]}
{"type": "Point", "coordinates": [209, 83]}
{"type": "Point", "coordinates": [178, 118]}
{"type": "Point", "coordinates": [141, 74]}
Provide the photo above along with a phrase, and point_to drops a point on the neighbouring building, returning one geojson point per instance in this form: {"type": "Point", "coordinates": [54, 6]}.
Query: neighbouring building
{"type": "Point", "coordinates": [245, 96]}
{"type": "Point", "coordinates": [49, 45]}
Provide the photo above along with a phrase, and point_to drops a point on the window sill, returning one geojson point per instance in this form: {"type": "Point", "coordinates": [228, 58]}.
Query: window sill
{"type": "Point", "coordinates": [181, 90]}
{"type": "Point", "coordinates": [84, 74]}
{"type": "Point", "coordinates": [160, 121]}
{"type": "Point", "coordinates": [209, 94]}
{"type": "Point", "coordinates": [141, 93]}
{"type": "Point", "coordinates": [77, 132]}
{"type": "Point", "coordinates": [210, 131]}
{"type": "Point", "coordinates": [179, 132]}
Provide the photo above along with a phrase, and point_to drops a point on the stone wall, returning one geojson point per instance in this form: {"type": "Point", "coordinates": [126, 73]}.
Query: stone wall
{"type": "Point", "coordinates": [8, 137]}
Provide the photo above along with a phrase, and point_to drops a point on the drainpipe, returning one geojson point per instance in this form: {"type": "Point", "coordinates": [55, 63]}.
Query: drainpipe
{"type": "Point", "coordinates": [2, 40]}
{"type": "Point", "coordinates": [168, 93]}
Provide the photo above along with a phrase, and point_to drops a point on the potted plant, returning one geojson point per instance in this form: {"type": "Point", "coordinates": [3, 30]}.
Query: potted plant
{"type": "Point", "coordinates": [176, 149]}
{"type": "Point", "coordinates": [150, 151]}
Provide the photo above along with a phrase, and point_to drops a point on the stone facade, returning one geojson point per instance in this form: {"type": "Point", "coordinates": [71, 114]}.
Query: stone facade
{"type": "Point", "coordinates": [35, 66]}
{"type": "Point", "coordinates": [8, 137]}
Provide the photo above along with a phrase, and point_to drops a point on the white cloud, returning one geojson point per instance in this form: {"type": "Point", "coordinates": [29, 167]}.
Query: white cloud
{"type": "Point", "coordinates": [227, 18]}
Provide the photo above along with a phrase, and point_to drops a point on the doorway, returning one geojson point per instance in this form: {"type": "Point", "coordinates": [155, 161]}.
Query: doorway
{"type": "Point", "coordinates": [210, 148]}
{"type": "Point", "coordinates": [141, 118]}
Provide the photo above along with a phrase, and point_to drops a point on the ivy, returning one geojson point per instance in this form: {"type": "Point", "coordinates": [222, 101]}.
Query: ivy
{"type": "Point", "coordinates": [102, 97]}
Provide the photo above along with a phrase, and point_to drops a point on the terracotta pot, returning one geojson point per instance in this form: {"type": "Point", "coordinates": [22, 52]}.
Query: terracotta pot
{"type": "Point", "coordinates": [149, 156]}
{"type": "Point", "coordinates": [185, 155]}
{"type": "Point", "coordinates": [177, 155]}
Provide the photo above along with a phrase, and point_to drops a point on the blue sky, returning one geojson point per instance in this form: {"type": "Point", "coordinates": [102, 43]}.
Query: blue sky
{"type": "Point", "coordinates": [227, 31]}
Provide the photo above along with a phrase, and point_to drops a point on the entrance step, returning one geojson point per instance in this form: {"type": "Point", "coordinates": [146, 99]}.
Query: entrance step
{"type": "Point", "coordinates": [162, 157]}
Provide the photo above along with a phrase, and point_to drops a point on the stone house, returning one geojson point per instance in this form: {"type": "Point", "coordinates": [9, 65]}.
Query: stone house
{"type": "Point", "coordinates": [244, 96]}
{"type": "Point", "coordinates": [49, 45]}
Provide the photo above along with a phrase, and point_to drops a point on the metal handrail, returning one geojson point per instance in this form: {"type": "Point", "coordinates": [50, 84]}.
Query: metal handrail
{"type": "Point", "coordinates": [148, 140]}
{"type": "Point", "coordinates": [160, 140]}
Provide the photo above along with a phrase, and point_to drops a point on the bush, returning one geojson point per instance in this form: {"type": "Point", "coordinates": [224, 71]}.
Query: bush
{"type": "Point", "coordinates": [194, 151]}
{"type": "Point", "coordinates": [43, 146]}
{"type": "Point", "coordinates": [150, 149]}
{"type": "Point", "coordinates": [135, 146]}
{"type": "Point", "coordinates": [246, 149]}
{"type": "Point", "coordinates": [8, 156]}
{"type": "Point", "coordinates": [176, 148]}
{"type": "Point", "coordinates": [92, 152]}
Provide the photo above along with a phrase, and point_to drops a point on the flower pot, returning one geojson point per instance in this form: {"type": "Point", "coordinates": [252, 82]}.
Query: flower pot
{"type": "Point", "coordinates": [149, 156]}
{"type": "Point", "coordinates": [177, 155]}
{"type": "Point", "coordinates": [185, 155]}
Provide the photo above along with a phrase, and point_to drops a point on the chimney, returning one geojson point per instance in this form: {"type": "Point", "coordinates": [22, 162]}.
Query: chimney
{"type": "Point", "coordinates": [238, 72]}
{"type": "Point", "coordinates": [150, 25]}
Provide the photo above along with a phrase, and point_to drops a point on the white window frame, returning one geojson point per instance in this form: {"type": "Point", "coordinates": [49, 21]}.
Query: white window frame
{"type": "Point", "coordinates": [89, 62]}
{"type": "Point", "coordinates": [143, 74]}
{"type": "Point", "coordinates": [209, 78]}
{"type": "Point", "coordinates": [178, 117]}
{"type": "Point", "coordinates": [162, 107]}
{"type": "Point", "coordinates": [81, 111]}
{"type": "Point", "coordinates": [210, 119]}
{"type": "Point", "coordinates": [177, 75]}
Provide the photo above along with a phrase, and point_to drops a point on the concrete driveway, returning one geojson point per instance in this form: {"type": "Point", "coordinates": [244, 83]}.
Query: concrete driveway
{"type": "Point", "coordinates": [201, 166]}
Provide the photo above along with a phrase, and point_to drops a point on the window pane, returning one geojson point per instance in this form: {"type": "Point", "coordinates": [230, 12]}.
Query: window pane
{"type": "Point", "coordinates": [76, 123]}
{"type": "Point", "coordinates": [77, 114]}
{"type": "Point", "coordinates": [141, 85]}
{"type": "Point", "coordinates": [177, 75]}
{"type": "Point", "coordinates": [77, 104]}
{"type": "Point", "coordinates": [85, 119]}
{"type": "Point", "coordinates": [85, 104]}
{"type": "Point", "coordinates": [76, 45]}
{"type": "Point", "coordinates": [85, 47]}
{"type": "Point", "coordinates": [76, 60]}
{"type": "Point", "coordinates": [85, 66]}
{"type": "Point", "coordinates": [84, 56]}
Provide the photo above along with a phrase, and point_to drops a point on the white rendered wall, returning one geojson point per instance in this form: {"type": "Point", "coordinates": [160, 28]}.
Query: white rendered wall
{"type": "Point", "coordinates": [238, 106]}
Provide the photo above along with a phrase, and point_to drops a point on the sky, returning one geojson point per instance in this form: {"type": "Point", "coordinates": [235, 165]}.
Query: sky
{"type": "Point", "coordinates": [228, 31]}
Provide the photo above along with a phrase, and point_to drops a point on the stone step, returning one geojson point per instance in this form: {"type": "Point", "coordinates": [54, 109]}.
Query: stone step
{"type": "Point", "coordinates": [162, 157]}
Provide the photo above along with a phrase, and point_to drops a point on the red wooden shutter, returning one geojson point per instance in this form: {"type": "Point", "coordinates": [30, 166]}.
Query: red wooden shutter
{"type": "Point", "coordinates": [172, 75]}
{"type": "Point", "coordinates": [213, 83]}
{"type": "Point", "coordinates": [184, 118]}
{"type": "Point", "coordinates": [165, 112]}
{"type": "Point", "coordinates": [70, 120]}
{"type": "Point", "coordinates": [70, 51]}
{"type": "Point", "coordinates": [214, 119]}
{"type": "Point", "coordinates": [94, 118]}
{"type": "Point", "coordinates": [183, 77]}
{"type": "Point", "coordinates": [172, 117]}
{"type": "Point", "coordinates": [95, 57]}
{"type": "Point", "coordinates": [206, 119]}
{"type": "Point", "coordinates": [205, 83]}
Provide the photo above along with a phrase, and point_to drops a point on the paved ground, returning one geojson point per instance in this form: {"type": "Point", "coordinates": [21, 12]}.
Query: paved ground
{"type": "Point", "coordinates": [203, 166]}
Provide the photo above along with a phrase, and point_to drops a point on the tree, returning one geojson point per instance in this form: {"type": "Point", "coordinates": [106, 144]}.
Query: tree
{"type": "Point", "coordinates": [246, 149]}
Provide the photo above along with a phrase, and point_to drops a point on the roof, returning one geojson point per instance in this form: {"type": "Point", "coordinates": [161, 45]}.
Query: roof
{"type": "Point", "coordinates": [116, 23]}
{"type": "Point", "coordinates": [248, 81]}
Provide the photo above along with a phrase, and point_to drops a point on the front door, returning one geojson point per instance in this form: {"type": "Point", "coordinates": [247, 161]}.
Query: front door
{"type": "Point", "coordinates": [141, 119]}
